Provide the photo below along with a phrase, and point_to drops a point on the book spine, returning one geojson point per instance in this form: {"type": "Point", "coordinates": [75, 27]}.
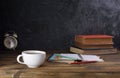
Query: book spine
{"type": "Point", "coordinates": [94, 41]}
{"type": "Point", "coordinates": [99, 51]}
{"type": "Point", "coordinates": [93, 46]}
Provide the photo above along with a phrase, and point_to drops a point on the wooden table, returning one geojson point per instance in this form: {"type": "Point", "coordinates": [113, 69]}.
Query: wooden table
{"type": "Point", "coordinates": [9, 68]}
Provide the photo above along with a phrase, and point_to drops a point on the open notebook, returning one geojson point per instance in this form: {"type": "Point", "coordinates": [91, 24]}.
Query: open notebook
{"type": "Point", "coordinates": [69, 57]}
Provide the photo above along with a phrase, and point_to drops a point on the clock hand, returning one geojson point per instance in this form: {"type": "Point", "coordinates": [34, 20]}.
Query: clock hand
{"type": "Point", "coordinates": [11, 44]}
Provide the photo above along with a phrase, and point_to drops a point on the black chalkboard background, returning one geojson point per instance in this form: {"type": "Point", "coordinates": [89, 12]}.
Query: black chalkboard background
{"type": "Point", "coordinates": [52, 24]}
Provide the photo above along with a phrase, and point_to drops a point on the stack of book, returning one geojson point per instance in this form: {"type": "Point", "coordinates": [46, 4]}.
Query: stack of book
{"type": "Point", "coordinates": [93, 44]}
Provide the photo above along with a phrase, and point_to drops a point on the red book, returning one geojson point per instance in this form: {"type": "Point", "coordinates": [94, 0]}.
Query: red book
{"type": "Point", "coordinates": [94, 36]}
{"type": "Point", "coordinates": [94, 39]}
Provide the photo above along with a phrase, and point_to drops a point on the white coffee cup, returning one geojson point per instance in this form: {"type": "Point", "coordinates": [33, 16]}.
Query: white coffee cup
{"type": "Point", "coordinates": [32, 58]}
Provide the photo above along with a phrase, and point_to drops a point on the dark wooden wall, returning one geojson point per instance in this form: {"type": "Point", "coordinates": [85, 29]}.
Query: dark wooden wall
{"type": "Point", "coordinates": [52, 24]}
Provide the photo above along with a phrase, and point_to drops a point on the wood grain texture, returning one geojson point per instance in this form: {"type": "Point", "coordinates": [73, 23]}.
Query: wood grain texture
{"type": "Point", "coordinates": [9, 68]}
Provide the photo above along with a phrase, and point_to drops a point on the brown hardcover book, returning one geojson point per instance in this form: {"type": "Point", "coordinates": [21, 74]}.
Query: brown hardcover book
{"type": "Point", "coordinates": [78, 44]}
{"type": "Point", "coordinates": [93, 51]}
{"type": "Point", "coordinates": [94, 39]}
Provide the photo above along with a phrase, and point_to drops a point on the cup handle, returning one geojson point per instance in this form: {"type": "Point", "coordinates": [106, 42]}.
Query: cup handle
{"type": "Point", "coordinates": [18, 59]}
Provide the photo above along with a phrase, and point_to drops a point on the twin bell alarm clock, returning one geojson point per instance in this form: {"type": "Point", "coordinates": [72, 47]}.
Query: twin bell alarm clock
{"type": "Point", "coordinates": [10, 40]}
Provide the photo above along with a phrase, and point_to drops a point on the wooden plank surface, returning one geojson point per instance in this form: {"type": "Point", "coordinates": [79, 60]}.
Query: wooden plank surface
{"type": "Point", "coordinates": [9, 68]}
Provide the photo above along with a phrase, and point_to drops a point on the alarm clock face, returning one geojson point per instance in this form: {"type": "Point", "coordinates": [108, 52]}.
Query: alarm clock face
{"type": "Point", "coordinates": [10, 42]}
